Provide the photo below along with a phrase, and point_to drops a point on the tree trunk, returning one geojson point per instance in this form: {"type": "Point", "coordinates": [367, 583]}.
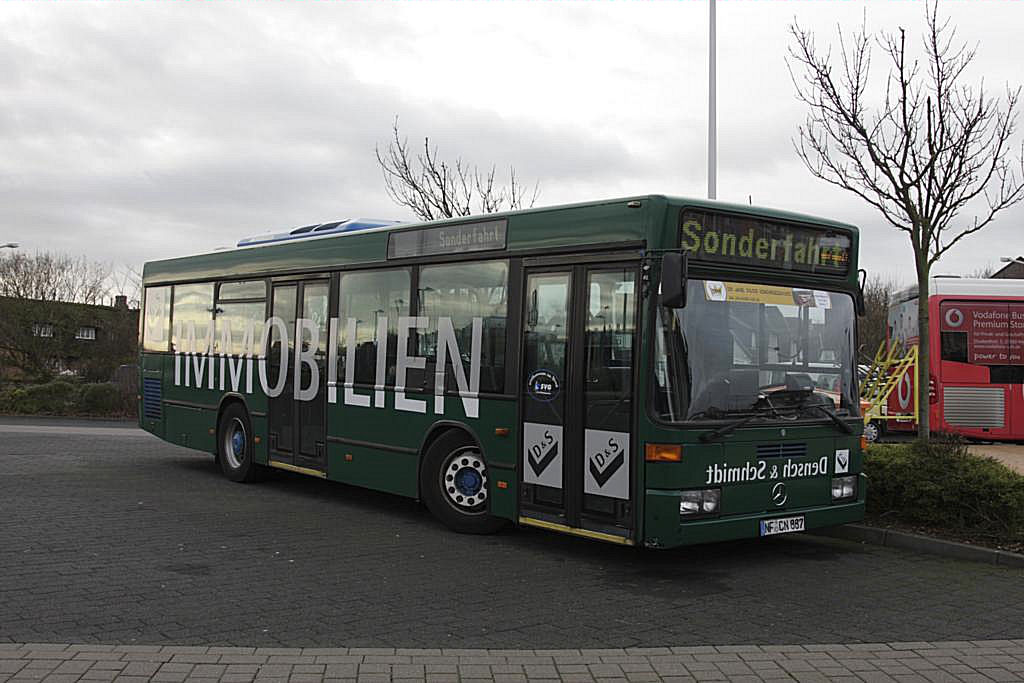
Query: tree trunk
{"type": "Point", "coordinates": [923, 350]}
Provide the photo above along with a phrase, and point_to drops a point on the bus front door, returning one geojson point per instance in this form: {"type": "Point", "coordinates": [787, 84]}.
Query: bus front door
{"type": "Point", "coordinates": [578, 465]}
{"type": "Point", "coordinates": [297, 415]}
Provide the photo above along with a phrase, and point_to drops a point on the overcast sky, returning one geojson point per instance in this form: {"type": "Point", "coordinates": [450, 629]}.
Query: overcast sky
{"type": "Point", "coordinates": [137, 131]}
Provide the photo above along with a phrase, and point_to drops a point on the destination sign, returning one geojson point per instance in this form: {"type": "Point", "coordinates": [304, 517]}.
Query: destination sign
{"type": "Point", "coordinates": [748, 241]}
{"type": "Point", "coordinates": [448, 239]}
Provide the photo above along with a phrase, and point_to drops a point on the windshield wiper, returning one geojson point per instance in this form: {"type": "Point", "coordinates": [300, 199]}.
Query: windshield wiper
{"type": "Point", "coordinates": [801, 405]}
{"type": "Point", "coordinates": [831, 415]}
{"type": "Point", "coordinates": [729, 428]}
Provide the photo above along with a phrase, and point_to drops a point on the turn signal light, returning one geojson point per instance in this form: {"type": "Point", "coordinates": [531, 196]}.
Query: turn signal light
{"type": "Point", "coordinates": [663, 452]}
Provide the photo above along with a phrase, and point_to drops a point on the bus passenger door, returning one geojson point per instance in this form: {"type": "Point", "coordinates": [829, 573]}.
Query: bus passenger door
{"type": "Point", "coordinates": [310, 451]}
{"type": "Point", "coordinates": [280, 356]}
{"type": "Point", "coordinates": [297, 415]}
{"type": "Point", "coordinates": [577, 466]}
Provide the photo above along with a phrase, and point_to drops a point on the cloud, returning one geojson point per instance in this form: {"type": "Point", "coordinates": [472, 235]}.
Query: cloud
{"type": "Point", "coordinates": [130, 132]}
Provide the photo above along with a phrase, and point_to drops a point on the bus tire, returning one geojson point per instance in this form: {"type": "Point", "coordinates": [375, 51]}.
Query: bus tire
{"type": "Point", "coordinates": [454, 484]}
{"type": "Point", "coordinates": [235, 445]}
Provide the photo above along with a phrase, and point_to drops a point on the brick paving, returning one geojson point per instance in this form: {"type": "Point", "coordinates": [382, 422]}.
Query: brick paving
{"type": "Point", "coordinates": [995, 660]}
{"type": "Point", "coordinates": [111, 537]}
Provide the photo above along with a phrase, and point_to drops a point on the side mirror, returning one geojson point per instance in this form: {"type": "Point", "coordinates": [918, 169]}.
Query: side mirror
{"type": "Point", "coordinates": [858, 302]}
{"type": "Point", "coordinates": [673, 279]}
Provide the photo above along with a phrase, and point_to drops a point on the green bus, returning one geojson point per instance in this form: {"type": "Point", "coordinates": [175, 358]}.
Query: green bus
{"type": "Point", "coordinates": [651, 371]}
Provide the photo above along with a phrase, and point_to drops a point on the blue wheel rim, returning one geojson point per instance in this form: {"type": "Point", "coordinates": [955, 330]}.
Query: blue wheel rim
{"type": "Point", "coordinates": [235, 444]}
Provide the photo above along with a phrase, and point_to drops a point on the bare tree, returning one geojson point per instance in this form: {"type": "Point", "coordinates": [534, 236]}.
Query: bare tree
{"type": "Point", "coordinates": [127, 281]}
{"type": "Point", "coordinates": [53, 277]}
{"type": "Point", "coordinates": [982, 272]}
{"type": "Point", "coordinates": [435, 188]}
{"type": "Point", "coordinates": [932, 147]}
{"type": "Point", "coordinates": [873, 328]}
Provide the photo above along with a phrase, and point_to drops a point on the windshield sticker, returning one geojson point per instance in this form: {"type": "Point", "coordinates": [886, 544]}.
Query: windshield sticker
{"type": "Point", "coordinates": [542, 454]}
{"type": "Point", "coordinates": [606, 465]}
{"type": "Point", "coordinates": [543, 386]}
{"type": "Point", "coordinates": [746, 292]}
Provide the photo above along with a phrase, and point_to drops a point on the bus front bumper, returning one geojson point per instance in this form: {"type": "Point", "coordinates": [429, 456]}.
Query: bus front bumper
{"type": "Point", "coordinates": [663, 528]}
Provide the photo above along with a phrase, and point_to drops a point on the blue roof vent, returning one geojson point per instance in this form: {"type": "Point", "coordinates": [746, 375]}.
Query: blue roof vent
{"type": "Point", "coordinates": [316, 230]}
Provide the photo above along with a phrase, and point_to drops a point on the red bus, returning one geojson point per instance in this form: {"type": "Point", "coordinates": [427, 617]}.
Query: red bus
{"type": "Point", "coordinates": [976, 368]}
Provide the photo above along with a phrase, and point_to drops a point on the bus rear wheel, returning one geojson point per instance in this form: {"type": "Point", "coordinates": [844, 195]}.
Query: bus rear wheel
{"type": "Point", "coordinates": [454, 485]}
{"type": "Point", "coordinates": [235, 445]}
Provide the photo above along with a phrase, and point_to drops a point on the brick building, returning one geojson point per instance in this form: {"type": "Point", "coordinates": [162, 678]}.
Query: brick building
{"type": "Point", "coordinates": [43, 338]}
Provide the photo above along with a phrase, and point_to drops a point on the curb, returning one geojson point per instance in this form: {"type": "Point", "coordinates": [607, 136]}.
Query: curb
{"type": "Point", "coordinates": [922, 544]}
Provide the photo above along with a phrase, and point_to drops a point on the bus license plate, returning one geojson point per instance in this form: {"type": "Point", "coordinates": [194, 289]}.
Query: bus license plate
{"type": "Point", "coordinates": [782, 525]}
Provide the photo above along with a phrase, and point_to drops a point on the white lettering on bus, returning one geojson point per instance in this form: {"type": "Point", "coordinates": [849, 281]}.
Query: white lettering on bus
{"type": "Point", "coordinates": [405, 361]}
{"type": "Point", "coordinates": [351, 397]}
{"type": "Point", "coordinates": [198, 355]}
{"type": "Point", "coordinates": [731, 474]}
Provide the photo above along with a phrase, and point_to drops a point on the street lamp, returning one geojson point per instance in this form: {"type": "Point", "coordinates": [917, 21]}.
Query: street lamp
{"type": "Point", "coordinates": [712, 115]}
{"type": "Point", "coordinates": [1007, 259]}
{"type": "Point", "coordinates": [9, 245]}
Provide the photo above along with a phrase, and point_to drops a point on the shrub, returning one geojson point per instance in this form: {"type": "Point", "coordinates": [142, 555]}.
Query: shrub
{"type": "Point", "coordinates": [65, 398]}
{"type": "Point", "coordinates": [941, 484]}
{"type": "Point", "coordinates": [99, 399]}
{"type": "Point", "coordinates": [57, 397]}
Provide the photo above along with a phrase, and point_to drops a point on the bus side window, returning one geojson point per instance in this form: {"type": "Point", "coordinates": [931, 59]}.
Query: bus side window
{"type": "Point", "coordinates": [464, 292]}
{"type": "Point", "coordinates": [192, 312]}
{"type": "Point", "coordinates": [156, 332]}
{"type": "Point", "coordinates": [954, 346]}
{"type": "Point", "coordinates": [366, 297]}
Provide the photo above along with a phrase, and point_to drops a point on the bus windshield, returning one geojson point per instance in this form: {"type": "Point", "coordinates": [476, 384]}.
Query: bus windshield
{"type": "Point", "coordinates": [738, 347]}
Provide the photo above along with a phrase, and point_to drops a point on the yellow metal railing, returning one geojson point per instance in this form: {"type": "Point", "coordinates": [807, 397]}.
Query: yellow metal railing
{"type": "Point", "coordinates": [887, 370]}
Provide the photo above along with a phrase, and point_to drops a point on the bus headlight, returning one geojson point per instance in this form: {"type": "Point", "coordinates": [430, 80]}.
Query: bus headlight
{"type": "Point", "coordinates": [844, 487]}
{"type": "Point", "coordinates": [699, 502]}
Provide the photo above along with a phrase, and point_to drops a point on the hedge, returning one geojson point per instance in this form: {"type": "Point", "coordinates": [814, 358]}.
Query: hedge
{"type": "Point", "coordinates": [941, 484]}
{"type": "Point", "coordinates": [61, 397]}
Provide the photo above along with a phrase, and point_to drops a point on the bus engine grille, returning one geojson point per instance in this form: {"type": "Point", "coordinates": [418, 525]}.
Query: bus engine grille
{"type": "Point", "coordinates": [781, 450]}
{"type": "Point", "coordinates": [974, 406]}
{"type": "Point", "coordinates": [152, 397]}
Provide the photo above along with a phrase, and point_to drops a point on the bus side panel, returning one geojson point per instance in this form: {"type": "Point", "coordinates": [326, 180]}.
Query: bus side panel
{"type": "Point", "coordinates": [363, 456]}
{"type": "Point", "coordinates": [190, 426]}
{"type": "Point", "coordinates": [190, 411]}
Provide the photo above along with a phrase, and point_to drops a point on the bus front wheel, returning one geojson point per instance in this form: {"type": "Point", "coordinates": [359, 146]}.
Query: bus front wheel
{"type": "Point", "coordinates": [454, 485]}
{"type": "Point", "coordinates": [235, 445]}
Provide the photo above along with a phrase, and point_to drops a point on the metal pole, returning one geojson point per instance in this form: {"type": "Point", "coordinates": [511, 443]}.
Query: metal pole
{"type": "Point", "coordinates": [712, 122]}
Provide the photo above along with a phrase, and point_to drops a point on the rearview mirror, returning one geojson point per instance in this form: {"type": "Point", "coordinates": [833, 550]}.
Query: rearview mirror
{"type": "Point", "coordinates": [673, 279]}
{"type": "Point", "coordinates": [859, 304]}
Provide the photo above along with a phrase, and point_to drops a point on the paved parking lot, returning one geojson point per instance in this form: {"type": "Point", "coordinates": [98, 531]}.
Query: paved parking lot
{"type": "Point", "coordinates": [110, 536]}
{"type": "Point", "coordinates": [1010, 454]}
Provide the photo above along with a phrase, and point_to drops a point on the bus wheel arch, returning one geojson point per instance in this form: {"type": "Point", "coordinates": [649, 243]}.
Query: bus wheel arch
{"type": "Point", "coordinates": [235, 445]}
{"type": "Point", "coordinates": [453, 479]}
